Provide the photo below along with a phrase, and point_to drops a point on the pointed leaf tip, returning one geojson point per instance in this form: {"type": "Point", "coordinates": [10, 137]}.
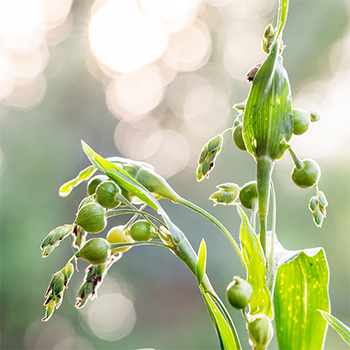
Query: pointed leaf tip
{"type": "Point", "coordinates": [201, 262]}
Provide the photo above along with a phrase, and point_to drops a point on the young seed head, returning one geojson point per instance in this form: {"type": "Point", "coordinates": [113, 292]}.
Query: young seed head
{"type": "Point", "coordinates": [238, 137]}
{"type": "Point", "coordinates": [301, 121]}
{"type": "Point", "coordinates": [118, 234]}
{"type": "Point", "coordinates": [141, 231]}
{"type": "Point", "coordinates": [239, 293]}
{"type": "Point", "coordinates": [94, 182]}
{"type": "Point", "coordinates": [248, 194]}
{"type": "Point", "coordinates": [314, 116]}
{"type": "Point", "coordinates": [106, 194]}
{"type": "Point", "coordinates": [308, 175]}
{"type": "Point", "coordinates": [318, 217]}
{"type": "Point", "coordinates": [260, 331]}
{"type": "Point", "coordinates": [91, 217]}
{"type": "Point", "coordinates": [313, 204]}
{"type": "Point", "coordinates": [95, 251]}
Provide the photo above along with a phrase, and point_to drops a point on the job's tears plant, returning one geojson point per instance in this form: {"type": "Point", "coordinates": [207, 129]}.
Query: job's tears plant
{"type": "Point", "coordinates": [287, 287]}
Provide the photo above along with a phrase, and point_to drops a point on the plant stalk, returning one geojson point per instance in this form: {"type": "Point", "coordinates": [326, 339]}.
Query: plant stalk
{"type": "Point", "coordinates": [216, 222]}
{"type": "Point", "coordinates": [264, 172]}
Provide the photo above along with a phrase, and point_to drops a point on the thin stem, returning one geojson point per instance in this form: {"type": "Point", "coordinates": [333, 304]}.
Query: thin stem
{"type": "Point", "coordinates": [264, 171]}
{"type": "Point", "coordinates": [114, 212]}
{"type": "Point", "coordinates": [118, 245]}
{"type": "Point", "coordinates": [270, 280]}
{"type": "Point", "coordinates": [134, 217]}
{"type": "Point", "coordinates": [216, 222]}
{"type": "Point", "coordinates": [228, 318]}
{"type": "Point", "coordinates": [298, 163]}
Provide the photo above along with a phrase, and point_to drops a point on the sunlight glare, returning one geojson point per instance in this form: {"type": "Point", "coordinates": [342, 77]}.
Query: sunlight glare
{"type": "Point", "coordinates": [125, 39]}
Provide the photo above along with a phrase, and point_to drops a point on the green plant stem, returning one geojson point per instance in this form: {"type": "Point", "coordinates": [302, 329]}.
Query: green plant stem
{"type": "Point", "coordinates": [264, 172]}
{"type": "Point", "coordinates": [131, 244]}
{"type": "Point", "coordinates": [114, 212]}
{"type": "Point", "coordinates": [228, 318]}
{"type": "Point", "coordinates": [215, 221]}
{"type": "Point", "coordinates": [298, 163]}
{"type": "Point", "coordinates": [271, 273]}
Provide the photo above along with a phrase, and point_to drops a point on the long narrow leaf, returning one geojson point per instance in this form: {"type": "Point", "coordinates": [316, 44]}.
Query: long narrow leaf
{"type": "Point", "coordinates": [67, 187]}
{"type": "Point", "coordinates": [256, 268]}
{"type": "Point", "coordinates": [282, 17]}
{"type": "Point", "coordinates": [338, 326]}
{"type": "Point", "coordinates": [301, 289]}
{"type": "Point", "coordinates": [224, 332]}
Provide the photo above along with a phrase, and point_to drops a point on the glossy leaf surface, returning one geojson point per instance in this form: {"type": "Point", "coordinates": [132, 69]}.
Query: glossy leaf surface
{"type": "Point", "coordinates": [84, 175]}
{"type": "Point", "coordinates": [255, 267]}
{"type": "Point", "coordinates": [301, 289]}
{"type": "Point", "coordinates": [338, 326]}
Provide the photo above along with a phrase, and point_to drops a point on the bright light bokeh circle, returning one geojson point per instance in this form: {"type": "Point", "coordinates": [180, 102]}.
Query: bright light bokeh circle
{"type": "Point", "coordinates": [125, 39]}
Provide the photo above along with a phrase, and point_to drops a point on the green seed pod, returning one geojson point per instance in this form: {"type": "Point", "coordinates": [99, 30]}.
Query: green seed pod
{"type": "Point", "coordinates": [208, 155]}
{"type": "Point", "coordinates": [260, 331]}
{"type": "Point", "coordinates": [265, 45]}
{"type": "Point", "coordinates": [94, 182]}
{"type": "Point", "coordinates": [313, 204]}
{"type": "Point", "coordinates": [239, 293]}
{"type": "Point", "coordinates": [308, 175]}
{"type": "Point", "coordinates": [58, 286]}
{"type": "Point", "coordinates": [269, 32]}
{"type": "Point", "coordinates": [318, 217]}
{"type": "Point", "coordinates": [106, 194]}
{"type": "Point", "coordinates": [248, 194]}
{"type": "Point", "coordinates": [238, 137]}
{"type": "Point", "coordinates": [140, 231]}
{"type": "Point", "coordinates": [155, 184]}
{"type": "Point", "coordinates": [301, 121]}
{"type": "Point", "coordinates": [95, 251]}
{"type": "Point", "coordinates": [227, 194]}
{"type": "Point", "coordinates": [215, 143]}
{"type": "Point", "coordinates": [314, 116]}
{"type": "Point", "coordinates": [91, 217]}
{"type": "Point", "coordinates": [118, 234]}
{"type": "Point", "coordinates": [322, 199]}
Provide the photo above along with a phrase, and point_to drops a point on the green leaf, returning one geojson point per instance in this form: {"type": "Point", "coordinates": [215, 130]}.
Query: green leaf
{"type": "Point", "coordinates": [301, 289]}
{"type": "Point", "coordinates": [121, 177]}
{"type": "Point", "coordinates": [224, 333]}
{"type": "Point", "coordinates": [338, 326]}
{"type": "Point", "coordinates": [256, 268]}
{"type": "Point", "coordinates": [268, 119]}
{"type": "Point", "coordinates": [282, 17]}
{"type": "Point", "coordinates": [84, 175]}
{"type": "Point", "coordinates": [201, 262]}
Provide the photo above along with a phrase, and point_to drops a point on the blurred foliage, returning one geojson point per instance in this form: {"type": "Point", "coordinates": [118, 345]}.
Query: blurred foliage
{"type": "Point", "coordinates": [41, 150]}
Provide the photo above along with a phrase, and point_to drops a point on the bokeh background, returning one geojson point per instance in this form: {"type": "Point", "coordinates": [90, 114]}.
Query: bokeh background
{"type": "Point", "coordinates": [153, 80]}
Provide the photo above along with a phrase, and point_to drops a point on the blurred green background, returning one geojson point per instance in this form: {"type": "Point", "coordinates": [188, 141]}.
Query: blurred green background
{"type": "Point", "coordinates": [63, 93]}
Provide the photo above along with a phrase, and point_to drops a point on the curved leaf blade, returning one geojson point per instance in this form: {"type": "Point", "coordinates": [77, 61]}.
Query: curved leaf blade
{"type": "Point", "coordinates": [256, 268]}
{"type": "Point", "coordinates": [338, 326]}
{"type": "Point", "coordinates": [84, 175]}
{"type": "Point", "coordinates": [224, 333]}
{"type": "Point", "coordinates": [301, 289]}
